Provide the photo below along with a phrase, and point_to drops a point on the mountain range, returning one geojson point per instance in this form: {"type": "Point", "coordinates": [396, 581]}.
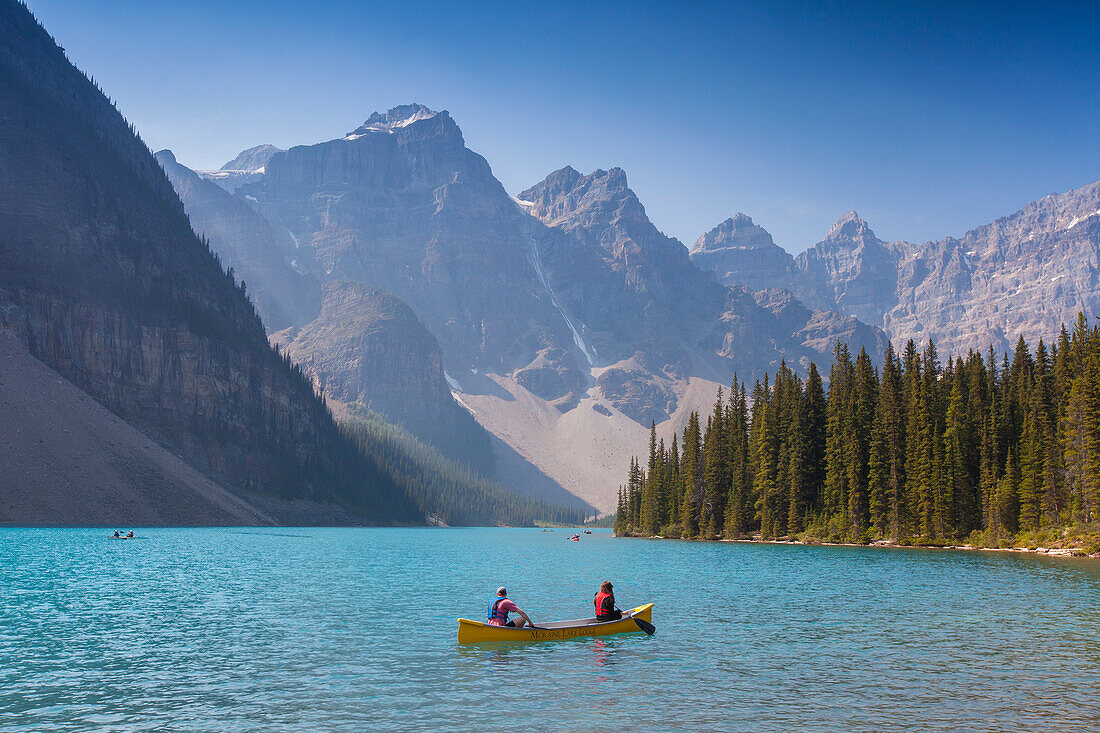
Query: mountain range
{"type": "Point", "coordinates": [567, 322]}
{"type": "Point", "coordinates": [1021, 275]}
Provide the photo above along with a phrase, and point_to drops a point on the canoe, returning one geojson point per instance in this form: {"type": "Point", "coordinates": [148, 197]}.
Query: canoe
{"type": "Point", "coordinates": [476, 632]}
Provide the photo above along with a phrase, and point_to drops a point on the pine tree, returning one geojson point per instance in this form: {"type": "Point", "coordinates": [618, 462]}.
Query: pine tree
{"type": "Point", "coordinates": [930, 449]}
{"type": "Point", "coordinates": [1005, 504]}
{"type": "Point", "coordinates": [923, 452]}
{"type": "Point", "coordinates": [886, 470]}
{"type": "Point", "coordinates": [799, 490]}
{"type": "Point", "coordinates": [715, 471]}
{"type": "Point", "coordinates": [814, 414]}
{"type": "Point", "coordinates": [692, 477]}
{"type": "Point", "coordinates": [837, 432]}
{"type": "Point", "coordinates": [740, 495]}
{"type": "Point", "coordinates": [765, 478]}
{"type": "Point", "coordinates": [673, 488]}
{"type": "Point", "coordinates": [651, 489]}
{"type": "Point", "coordinates": [956, 477]}
{"type": "Point", "coordinates": [861, 415]}
{"type": "Point", "coordinates": [1032, 466]}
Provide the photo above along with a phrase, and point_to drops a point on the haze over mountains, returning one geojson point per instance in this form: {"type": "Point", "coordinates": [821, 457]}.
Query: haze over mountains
{"type": "Point", "coordinates": [532, 338]}
{"type": "Point", "coordinates": [1022, 275]}
{"type": "Point", "coordinates": [567, 322]}
{"type": "Point", "coordinates": [137, 383]}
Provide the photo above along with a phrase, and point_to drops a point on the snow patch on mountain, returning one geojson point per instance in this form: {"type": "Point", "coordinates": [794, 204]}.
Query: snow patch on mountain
{"type": "Point", "coordinates": [452, 382]}
{"type": "Point", "coordinates": [1077, 220]}
{"type": "Point", "coordinates": [395, 119]}
{"type": "Point", "coordinates": [524, 206]}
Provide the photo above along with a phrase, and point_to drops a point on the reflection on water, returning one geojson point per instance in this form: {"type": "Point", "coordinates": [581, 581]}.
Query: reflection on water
{"type": "Point", "coordinates": [354, 629]}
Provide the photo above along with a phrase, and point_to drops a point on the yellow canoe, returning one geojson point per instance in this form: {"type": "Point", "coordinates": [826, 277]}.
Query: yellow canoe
{"type": "Point", "coordinates": [476, 632]}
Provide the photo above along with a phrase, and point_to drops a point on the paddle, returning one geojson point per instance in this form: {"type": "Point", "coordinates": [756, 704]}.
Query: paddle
{"type": "Point", "coordinates": [644, 625]}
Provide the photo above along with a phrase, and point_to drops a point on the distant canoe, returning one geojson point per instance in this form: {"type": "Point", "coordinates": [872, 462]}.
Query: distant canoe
{"type": "Point", "coordinates": [476, 632]}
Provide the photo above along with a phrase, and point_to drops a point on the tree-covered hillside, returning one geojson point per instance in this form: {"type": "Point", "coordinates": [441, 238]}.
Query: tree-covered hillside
{"type": "Point", "coordinates": [444, 489]}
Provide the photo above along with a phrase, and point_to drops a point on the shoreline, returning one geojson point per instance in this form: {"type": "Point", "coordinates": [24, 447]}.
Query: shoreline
{"type": "Point", "coordinates": [1074, 552]}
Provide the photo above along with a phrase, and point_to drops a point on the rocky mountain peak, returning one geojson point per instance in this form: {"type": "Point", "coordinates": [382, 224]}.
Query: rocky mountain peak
{"type": "Point", "coordinates": [395, 119]}
{"type": "Point", "coordinates": [737, 232]}
{"type": "Point", "coordinates": [614, 178]}
{"type": "Point", "coordinates": [171, 166]}
{"type": "Point", "coordinates": [850, 226]}
{"type": "Point", "coordinates": [602, 211]}
{"type": "Point", "coordinates": [559, 183]}
{"type": "Point", "coordinates": [253, 159]}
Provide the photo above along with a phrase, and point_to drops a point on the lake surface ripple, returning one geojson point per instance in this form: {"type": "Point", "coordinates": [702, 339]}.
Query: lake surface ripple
{"type": "Point", "coordinates": [354, 629]}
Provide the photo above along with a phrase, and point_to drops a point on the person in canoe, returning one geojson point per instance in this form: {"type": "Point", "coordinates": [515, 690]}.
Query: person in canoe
{"type": "Point", "coordinates": [605, 603]}
{"type": "Point", "coordinates": [500, 607]}
{"type": "Point", "coordinates": [117, 535]}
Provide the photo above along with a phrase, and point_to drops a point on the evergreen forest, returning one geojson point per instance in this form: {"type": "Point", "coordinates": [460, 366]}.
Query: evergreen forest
{"type": "Point", "coordinates": [979, 449]}
{"type": "Point", "coordinates": [444, 489]}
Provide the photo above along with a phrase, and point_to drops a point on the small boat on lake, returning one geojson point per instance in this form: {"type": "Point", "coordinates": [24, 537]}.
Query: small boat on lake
{"type": "Point", "coordinates": [476, 632]}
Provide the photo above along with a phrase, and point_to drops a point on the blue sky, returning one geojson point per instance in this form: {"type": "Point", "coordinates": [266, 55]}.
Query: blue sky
{"type": "Point", "coordinates": [927, 118]}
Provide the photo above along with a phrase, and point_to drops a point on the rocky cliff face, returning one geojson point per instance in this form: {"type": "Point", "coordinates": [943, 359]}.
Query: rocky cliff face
{"type": "Point", "coordinates": [106, 283]}
{"type": "Point", "coordinates": [402, 205]}
{"type": "Point", "coordinates": [367, 347]}
{"type": "Point", "coordinates": [633, 289]}
{"type": "Point", "coordinates": [1024, 274]}
{"type": "Point", "coordinates": [650, 313]}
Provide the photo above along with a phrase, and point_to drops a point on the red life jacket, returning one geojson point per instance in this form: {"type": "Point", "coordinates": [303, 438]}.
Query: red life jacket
{"type": "Point", "coordinates": [599, 603]}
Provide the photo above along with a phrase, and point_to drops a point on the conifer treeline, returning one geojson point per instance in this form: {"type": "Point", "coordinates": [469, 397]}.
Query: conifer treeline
{"type": "Point", "coordinates": [913, 450]}
{"type": "Point", "coordinates": [439, 486]}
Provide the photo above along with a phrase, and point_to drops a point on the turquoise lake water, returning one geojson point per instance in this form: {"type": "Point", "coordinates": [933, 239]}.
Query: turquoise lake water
{"type": "Point", "coordinates": [354, 629]}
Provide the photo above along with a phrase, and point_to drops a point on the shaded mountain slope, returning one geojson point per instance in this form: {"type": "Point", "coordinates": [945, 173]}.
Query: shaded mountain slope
{"type": "Point", "coordinates": [367, 347]}
{"type": "Point", "coordinates": [102, 471]}
{"type": "Point", "coordinates": [107, 284]}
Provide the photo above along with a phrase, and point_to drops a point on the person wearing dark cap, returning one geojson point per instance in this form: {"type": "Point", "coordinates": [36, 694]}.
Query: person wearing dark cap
{"type": "Point", "coordinates": [500, 607]}
{"type": "Point", "coordinates": [605, 603]}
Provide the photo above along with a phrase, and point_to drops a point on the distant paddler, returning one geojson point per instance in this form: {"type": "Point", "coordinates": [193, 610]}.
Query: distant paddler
{"type": "Point", "coordinates": [500, 607]}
